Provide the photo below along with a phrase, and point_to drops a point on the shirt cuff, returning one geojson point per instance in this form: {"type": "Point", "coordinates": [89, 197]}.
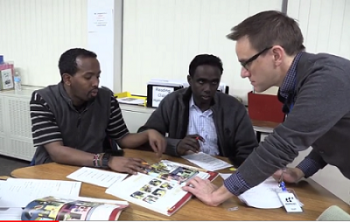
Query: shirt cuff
{"type": "Point", "coordinates": [309, 167]}
{"type": "Point", "coordinates": [236, 185]}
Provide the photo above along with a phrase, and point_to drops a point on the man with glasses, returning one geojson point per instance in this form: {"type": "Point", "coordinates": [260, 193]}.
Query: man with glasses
{"type": "Point", "coordinates": [315, 90]}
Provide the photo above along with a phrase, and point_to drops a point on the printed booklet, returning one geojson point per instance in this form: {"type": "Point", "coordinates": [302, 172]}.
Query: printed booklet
{"type": "Point", "coordinates": [51, 208]}
{"type": "Point", "coordinates": [160, 189]}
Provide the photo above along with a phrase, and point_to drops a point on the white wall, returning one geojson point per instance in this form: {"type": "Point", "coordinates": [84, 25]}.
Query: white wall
{"type": "Point", "coordinates": [324, 23]}
{"type": "Point", "coordinates": [34, 33]}
{"type": "Point", "coordinates": [162, 37]}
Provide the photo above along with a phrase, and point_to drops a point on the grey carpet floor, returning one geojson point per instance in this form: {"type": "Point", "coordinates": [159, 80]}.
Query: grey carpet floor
{"type": "Point", "coordinates": [7, 165]}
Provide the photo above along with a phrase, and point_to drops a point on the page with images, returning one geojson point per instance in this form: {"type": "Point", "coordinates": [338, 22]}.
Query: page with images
{"type": "Point", "coordinates": [51, 208]}
{"type": "Point", "coordinates": [171, 171]}
{"type": "Point", "coordinates": [152, 193]}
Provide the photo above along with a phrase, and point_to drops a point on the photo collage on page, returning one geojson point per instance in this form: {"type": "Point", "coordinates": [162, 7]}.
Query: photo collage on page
{"type": "Point", "coordinates": [165, 176]}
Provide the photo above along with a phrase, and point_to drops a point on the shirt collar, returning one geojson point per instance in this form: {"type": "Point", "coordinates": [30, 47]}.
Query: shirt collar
{"type": "Point", "coordinates": [192, 102]}
{"type": "Point", "coordinates": [288, 83]}
{"type": "Point", "coordinates": [194, 106]}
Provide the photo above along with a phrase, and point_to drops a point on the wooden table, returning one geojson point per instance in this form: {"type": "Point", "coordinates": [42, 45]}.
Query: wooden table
{"type": "Point", "coordinates": [315, 198]}
{"type": "Point", "coordinates": [263, 127]}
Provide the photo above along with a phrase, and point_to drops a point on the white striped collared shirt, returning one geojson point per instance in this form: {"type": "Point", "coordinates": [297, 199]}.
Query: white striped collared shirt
{"type": "Point", "coordinates": [202, 123]}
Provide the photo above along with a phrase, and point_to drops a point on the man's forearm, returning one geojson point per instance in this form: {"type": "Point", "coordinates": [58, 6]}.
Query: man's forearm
{"type": "Point", "coordinates": [134, 140]}
{"type": "Point", "coordinates": [71, 156]}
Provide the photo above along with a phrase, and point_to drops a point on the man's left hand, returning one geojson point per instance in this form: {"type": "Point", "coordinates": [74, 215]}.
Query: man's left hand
{"type": "Point", "coordinates": [156, 141]}
{"type": "Point", "coordinates": [202, 189]}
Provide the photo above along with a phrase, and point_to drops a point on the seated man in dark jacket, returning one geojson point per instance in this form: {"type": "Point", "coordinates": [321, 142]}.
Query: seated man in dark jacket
{"type": "Point", "coordinates": [199, 118]}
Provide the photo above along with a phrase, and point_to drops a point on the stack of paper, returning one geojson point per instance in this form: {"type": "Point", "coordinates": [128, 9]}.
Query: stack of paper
{"type": "Point", "coordinates": [132, 101]}
{"type": "Point", "coordinates": [206, 161]}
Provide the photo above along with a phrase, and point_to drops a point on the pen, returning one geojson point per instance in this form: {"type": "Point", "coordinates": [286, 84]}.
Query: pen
{"type": "Point", "coordinates": [199, 139]}
{"type": "Point", "coordinates": [281, 184]}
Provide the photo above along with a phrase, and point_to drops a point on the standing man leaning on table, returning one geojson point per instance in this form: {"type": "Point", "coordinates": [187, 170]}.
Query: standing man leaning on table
{"type": "Point", "coordinates": [315, 90]}
{"type": "Point", "coordinates": [71, 120]}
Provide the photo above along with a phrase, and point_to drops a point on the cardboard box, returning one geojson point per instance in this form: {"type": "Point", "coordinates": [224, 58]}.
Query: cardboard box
{"type": "Point", "coordinates": [265, 108]}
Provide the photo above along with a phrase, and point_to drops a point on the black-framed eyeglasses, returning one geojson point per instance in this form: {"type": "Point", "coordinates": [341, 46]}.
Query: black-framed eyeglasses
{"type": "Point", "coordinates": [245, 63]}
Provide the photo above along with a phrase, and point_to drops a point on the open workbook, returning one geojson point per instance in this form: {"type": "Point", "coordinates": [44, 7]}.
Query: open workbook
{"type": "Point", "coordinates": [51, 208]}
{"type": "Point", "coordinates": [160, 189]}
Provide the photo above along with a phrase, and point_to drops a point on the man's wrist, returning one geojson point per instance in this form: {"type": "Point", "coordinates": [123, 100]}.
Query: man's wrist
{"type": "Point", "coordinates": [219, 196]}
{"type": "Point", "coordinates": [300, 173]}
{"type": "Point", "coordinates": [236, 184]}
{"type": "Point", "coordinates": [106, 160]}
{"type": "Point", "coordinates": [148, 132]}
{"type": "Point", "coordinates": [97, 160]}
{"type": "Point", "coordinates": [308, 167]}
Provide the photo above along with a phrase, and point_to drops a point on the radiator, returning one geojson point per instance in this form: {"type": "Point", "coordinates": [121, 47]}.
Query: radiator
{"type": "Point", "coordinates": [15, 125]}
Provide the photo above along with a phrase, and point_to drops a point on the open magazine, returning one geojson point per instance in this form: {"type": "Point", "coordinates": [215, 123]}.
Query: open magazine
{"type": "Point", "coordinates": [160, 189]}
{"type": "Point", "coordinates": [51, 208]}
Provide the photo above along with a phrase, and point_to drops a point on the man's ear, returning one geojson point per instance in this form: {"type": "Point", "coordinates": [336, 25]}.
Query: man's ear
{"type": "Point", "coordinates": [67, 79]}
{"type": "Point", "coordinates": [189, 79]}
{"type": "Point", "coordinates": [278, 53]}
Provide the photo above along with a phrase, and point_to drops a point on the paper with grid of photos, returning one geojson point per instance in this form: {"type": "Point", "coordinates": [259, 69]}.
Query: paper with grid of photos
{"type": "Point", "coordinates": [160, 189]}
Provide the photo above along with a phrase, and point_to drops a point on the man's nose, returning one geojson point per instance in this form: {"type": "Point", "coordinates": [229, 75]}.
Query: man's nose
{"type": "Point", "coordinates": [95, 82]}
{"type": "Point", "coordinates": [244, 73]}
{"type": "Point", "coordinates": [206, 88]}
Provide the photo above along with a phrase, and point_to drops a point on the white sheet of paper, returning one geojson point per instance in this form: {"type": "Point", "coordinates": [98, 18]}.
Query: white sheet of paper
{"type": "Point", "coordinates": [263, 196]}
{"type": "Point", "coordinates": [206, 161]}
{"type": "Point", "coordinates": [97, 177]}
{"type": "Point", "coordinates": [20, 192]}
{"type": "Point", "coordinates": [11, 213]}
{"type": "Point", "coordinates": [225, 175]}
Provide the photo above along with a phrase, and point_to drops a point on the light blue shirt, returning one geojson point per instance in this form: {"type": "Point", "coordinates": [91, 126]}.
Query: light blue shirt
{"type": "Point", "coordinates": [202, 123]}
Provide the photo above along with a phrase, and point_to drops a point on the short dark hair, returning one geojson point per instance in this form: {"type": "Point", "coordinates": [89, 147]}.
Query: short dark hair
{"type": "Point", "coordinates": [205, 59]}
{"type": "Point", "coordinates": [67, 62]}
{"type": "Point", "coordinates": [268, 28]}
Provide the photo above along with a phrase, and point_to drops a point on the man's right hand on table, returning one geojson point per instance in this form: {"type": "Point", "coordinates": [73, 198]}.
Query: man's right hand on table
{"type": "Point", "coordinates": [189, 143]}
{"type": "Point", "coordinates": [127, 165]}
{"type": "Point", "coordinates": [289, 175]}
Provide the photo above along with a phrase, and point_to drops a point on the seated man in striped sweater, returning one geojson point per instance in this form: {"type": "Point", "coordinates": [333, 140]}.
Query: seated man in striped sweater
{"type": "Point", "coordinates": [70, 120]}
